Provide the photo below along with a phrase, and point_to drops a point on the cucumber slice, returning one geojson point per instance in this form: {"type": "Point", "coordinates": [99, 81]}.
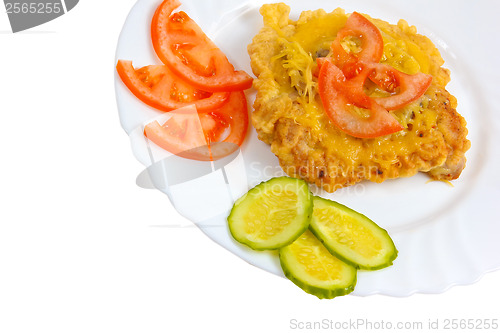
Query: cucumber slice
{"type": "Point", "coordinates": [308, 264]}
{"type": "Point", "coordinates": [351, 236]}
{"type": "Point", "coordinates": [272, 214]}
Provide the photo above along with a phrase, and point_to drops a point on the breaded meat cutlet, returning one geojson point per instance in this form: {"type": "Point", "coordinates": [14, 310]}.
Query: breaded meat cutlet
{"type": "Point", "coordinates": [288, 113]}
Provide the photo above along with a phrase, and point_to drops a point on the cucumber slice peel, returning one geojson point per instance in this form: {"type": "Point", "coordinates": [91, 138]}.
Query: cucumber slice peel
{"type": "Point", "coordinates": [310, 266]}
{"type": "Point", "coordinates": [351, 236]}
{"type": "Point", "coordinates": [272, 214]}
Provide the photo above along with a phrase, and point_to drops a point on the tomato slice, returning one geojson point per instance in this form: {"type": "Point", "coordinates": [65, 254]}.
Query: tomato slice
{"type": "Point", "coordinates": [204, 137]}
{"type": "Point", "coordinates": [340, 109]}
{"type": "Point", "coordinates": [181, 135]}
{"type": "Point", "coordinates": [363, 31]}
{"type": "Point", "coordinates": [213, 127]}
{"type": "Point", "coordinates": [352, 88]}
{"type": "Point", "coordinates": [188, 42]}
{"type": "Point", "coordinates": [235, 114]}
{"type": "Point", "coordinates": [342, 78]}
{"type": "Point", "coordinates": [404, 88]}
{"type": "Point", "coordinates": [187, 51]}
{"type": "Point", "coordinates": [158, 87]}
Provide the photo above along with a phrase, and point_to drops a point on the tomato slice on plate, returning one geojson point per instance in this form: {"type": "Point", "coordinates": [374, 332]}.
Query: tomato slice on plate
{"type": "Point", "coordinates": [363, 32]}
{"type": "Point", "coordinates": [182, 134]}
{"type": "Point", "coordinates": [203, 136]}
{"type": "Point", "coordinates": [158, 87]}
{"type": "Point", "coordinates": [187, 51]}
{"type": "Point", "coordinates": [235, 114]}
{"type": "Point", "coordinates": [404, 88]}
{"type": "Point", "coordinates": [188, 42]}
{"type": "Point", "coordinates": [340, 107]}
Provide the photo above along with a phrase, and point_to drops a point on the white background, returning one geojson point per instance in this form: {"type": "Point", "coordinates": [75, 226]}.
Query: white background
{"type": "Point", "coordinates": [78, 248]}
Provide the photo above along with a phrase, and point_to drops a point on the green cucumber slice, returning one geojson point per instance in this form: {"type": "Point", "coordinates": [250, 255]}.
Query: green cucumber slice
{"type": "Point", "coordinates": [351, 236]}
{"type": "Point", "coordinates": [272, 214]}
{"type": "Point", "coordinates": [308, 264]}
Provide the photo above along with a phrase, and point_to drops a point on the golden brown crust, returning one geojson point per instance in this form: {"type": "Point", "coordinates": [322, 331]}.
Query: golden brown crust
{"type": "Point", "coordinates": [310, 147]}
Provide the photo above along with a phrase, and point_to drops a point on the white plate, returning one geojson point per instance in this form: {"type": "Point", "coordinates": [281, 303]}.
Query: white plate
{"type": "Point", "coordinates": [446, 235]}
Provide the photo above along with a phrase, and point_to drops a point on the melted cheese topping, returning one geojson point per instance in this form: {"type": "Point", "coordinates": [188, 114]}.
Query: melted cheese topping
{"type": "Point", "coordinates": [283, 56]}
{"type": "Point", "coordinates": [310, 39]}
